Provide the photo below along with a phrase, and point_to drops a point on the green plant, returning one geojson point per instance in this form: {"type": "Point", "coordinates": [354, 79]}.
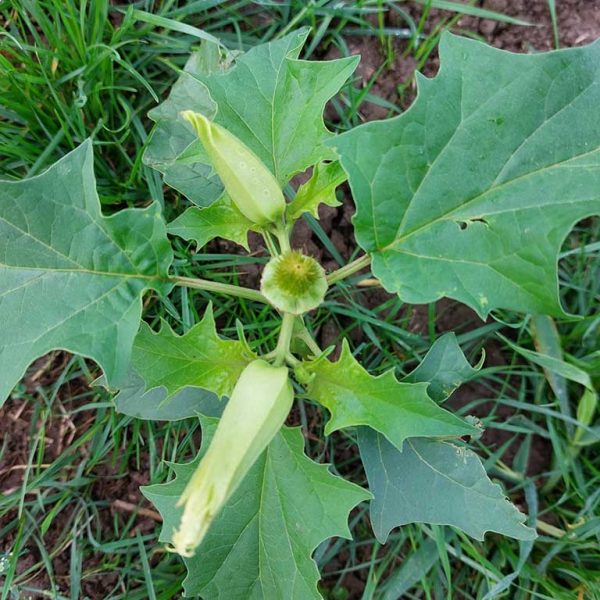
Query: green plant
{"type": "Point", "coordinates": [469, 195]}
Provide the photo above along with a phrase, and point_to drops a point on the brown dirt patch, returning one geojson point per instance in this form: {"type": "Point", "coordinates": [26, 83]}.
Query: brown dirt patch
{"type": "Point", "coordinates": [115, 494]}
{"type": "Point", "coordinates": [578, 24]}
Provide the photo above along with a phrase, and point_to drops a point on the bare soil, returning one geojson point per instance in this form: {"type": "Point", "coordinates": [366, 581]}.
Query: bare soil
{"type": "Point", "coordinates": [578, 24]}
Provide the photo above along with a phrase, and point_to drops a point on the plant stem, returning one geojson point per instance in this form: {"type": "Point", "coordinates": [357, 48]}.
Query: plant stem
{"type": "Point", "coordinates": [270, 243]}
{"type": "Point", "coordinates": [285, 337]}
{"type": "Point", "coordinates": [220, 288]}
{"type": "Point", "coordinates": [549, 529]}
{"type": "Point", "coordinates": [291, 360]}
{"type": "Point", "coordinates": [349, 269]}
{"type": "Point", "coordinates": [305, 336]}
{"type": "Point", "coordinates": [283, 239]}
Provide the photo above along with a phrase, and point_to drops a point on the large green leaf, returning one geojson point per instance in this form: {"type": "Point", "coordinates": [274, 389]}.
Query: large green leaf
{"type": "Point", "coordinates": [268, 98]}
{"type": "Point", "coordinates": [260, 545]}
{"type": "Point", "coordinates": [435, 482]}
{"type": "Point", "coordinates": [174, 149]}
{"type": "Point", "coordinates": [398, 410]}
{"type": "Point", "coordinates": [69, 277]}
{"type": "Point", "coordinates": [199, 358]}
{"type": "Point", "coordinates": [471, 192]}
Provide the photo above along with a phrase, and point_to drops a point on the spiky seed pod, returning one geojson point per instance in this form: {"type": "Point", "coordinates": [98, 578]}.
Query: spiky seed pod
{"type": "Point", "coordinates": [294, 283]}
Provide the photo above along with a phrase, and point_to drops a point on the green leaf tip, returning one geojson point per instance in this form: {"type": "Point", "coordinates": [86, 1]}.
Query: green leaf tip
{"type": "Point", "coordinates": [444, 368]}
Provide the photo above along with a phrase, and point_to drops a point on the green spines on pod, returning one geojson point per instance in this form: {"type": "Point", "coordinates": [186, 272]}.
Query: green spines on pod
{"type": "Point", "coordinates": [294, 283]}
{"type": "Point", "coordinates": [258, 407]}
{"type": "Point", "coordinates": [251, 186]}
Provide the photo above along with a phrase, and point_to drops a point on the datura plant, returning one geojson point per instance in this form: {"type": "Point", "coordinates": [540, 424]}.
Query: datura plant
{"type": "Point", "coordinates": [468, 195]}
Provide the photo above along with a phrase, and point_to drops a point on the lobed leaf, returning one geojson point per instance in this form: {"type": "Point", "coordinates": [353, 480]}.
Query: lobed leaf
{"type": "Point", "coordinates": [221, 219]}
{"type": "Point", "coordinates": [155, 404]}
{"type": "Point", "coordinates": [260, 545]}
{"type": "Point", "coordinates": [397, 410]}
{"type": "Point", "coordinates": [472, 191]}
{"type": "Point", "coordinates": [71, 278]}
{"type": "Point", "coordinates": [436, 482]}
{"type": "Point", "coordinates": [319, 189]}
{"type": "Point", "coordinates": [444, 368]}
{"type": "Point", "coordinates": [199, 358]}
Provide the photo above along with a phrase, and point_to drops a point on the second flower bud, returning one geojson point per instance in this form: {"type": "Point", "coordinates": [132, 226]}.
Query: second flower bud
{"type": "Point", "coordinates": [247, 181]}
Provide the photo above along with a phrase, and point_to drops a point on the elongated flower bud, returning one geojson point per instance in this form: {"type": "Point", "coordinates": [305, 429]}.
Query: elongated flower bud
{"type": "Point", "coordinates": [251, 186]}
{"type": "Point", "coordinates": [258, 407]}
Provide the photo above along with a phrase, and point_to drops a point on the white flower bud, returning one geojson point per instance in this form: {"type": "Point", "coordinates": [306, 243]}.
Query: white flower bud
{"type": "Point", "coordinates": [258, 407]}
{"type": "Point", "coordinates": [248, 182]}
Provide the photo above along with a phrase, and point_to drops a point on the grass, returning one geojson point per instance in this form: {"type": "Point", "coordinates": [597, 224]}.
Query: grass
{"type": "Point", "coordinates": [71, 517]}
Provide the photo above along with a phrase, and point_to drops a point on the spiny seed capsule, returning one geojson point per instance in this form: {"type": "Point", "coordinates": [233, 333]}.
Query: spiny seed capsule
{"type": "Point", "coordinates": [294, 283]}
{"type": "Point", "coordinates": [250, 185]}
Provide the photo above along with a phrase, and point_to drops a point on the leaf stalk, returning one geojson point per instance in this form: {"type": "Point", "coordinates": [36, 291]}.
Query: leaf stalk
{"type": "Point", "coordinates": [283, 239]}
{"type": "Point", "coordinates": [349, 269]}
{"type": "Point", "coordinates": [282, 350]}
{"type": "Point", "coordinates": [220, 288]}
